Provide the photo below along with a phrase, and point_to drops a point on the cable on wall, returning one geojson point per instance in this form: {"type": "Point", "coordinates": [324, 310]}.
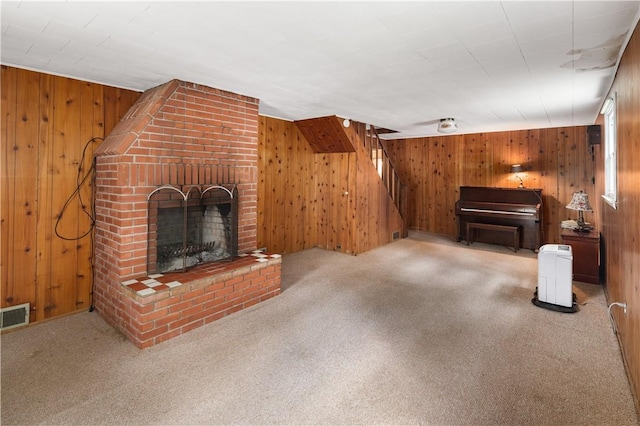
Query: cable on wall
{"type": "Point", "coordinates": [611, 320]}
{"type": "Point", "coordinates": [80, 181]}
{"type": "Point", "coordinates": [88, 208]}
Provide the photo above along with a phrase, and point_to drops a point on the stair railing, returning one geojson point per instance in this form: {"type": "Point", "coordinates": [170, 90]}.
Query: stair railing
{"type": "Point", "coordinates": [382, 163]}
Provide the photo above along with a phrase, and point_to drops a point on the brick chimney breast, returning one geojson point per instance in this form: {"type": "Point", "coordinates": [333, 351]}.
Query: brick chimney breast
{"type": "Point", "coordinates": [127, 131]}
{"type": "Point", "coordinates": [177, 133]}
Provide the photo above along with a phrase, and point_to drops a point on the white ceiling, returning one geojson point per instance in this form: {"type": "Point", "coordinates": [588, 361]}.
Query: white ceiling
{"type": "Point", "coordinates": [401, 65]}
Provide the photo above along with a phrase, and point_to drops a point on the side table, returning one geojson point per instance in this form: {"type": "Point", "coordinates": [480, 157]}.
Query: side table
{"type": "Point", "coordinates": [585, 247]}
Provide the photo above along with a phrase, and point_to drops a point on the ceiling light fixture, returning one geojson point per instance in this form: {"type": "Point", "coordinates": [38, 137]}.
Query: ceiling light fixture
{"type": "Point", "coordinates": [447, 125]}
{"type": "Point", "coordinates": [346, 122]}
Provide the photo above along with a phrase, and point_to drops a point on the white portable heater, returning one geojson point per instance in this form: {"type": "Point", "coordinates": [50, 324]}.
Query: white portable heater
{"type": "Point", "coordinates": [555, 278]}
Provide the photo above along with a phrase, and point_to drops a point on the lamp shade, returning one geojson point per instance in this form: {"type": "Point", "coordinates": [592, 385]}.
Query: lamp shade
{"type": "Point", "coordinates": [516, 168]}
{"type": "Point", "coordinates": [580, 202]}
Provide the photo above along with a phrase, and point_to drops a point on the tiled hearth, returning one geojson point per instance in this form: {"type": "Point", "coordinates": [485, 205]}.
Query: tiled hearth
{"type": "Point", "coordinates": [159, 283]}
{"type": "Point", "coordinates": [163, 306]}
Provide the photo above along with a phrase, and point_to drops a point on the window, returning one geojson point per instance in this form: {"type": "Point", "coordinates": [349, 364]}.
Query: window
{"type": "Point", "coordinates": [610, 152]}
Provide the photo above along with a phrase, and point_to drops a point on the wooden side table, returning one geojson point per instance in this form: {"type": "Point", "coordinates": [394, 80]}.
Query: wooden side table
{"type": "Point", "coordinates": [586, 254]}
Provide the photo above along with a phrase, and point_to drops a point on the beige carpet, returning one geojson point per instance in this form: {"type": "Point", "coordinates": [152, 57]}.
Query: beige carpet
{"type": "Point", "coordinates": [421, 331]}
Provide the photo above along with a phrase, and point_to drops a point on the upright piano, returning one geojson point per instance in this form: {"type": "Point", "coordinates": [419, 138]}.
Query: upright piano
{"type": "Point", "coordinates": [521, 207]}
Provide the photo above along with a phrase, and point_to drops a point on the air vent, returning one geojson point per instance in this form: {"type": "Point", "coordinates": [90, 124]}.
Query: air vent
{"type": "Point", "coordinates": [14, 316]}
{"type": "Point", "coordinates": [395, 235]}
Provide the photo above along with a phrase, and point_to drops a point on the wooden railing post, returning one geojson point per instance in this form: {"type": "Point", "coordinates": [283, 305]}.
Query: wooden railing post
{"type": "Point", "coordinates": [382, 163]}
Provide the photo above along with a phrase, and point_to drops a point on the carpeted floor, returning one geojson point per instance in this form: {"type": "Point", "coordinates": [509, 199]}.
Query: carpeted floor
{"type": "Point", "coordinates": [421, 331]}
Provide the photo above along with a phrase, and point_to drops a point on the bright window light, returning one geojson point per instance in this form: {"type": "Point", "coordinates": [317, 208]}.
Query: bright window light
{"type": "Point", "coordinates": [610, 151]}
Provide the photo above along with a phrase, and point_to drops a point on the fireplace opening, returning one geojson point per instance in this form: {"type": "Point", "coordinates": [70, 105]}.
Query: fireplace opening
{"type": "Point", "coordinates": [191, 226]}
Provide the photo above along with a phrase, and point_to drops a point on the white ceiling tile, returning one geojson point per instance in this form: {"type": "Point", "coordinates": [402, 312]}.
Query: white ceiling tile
{"type": "Point", "coordinates": [557, 43]}
{"type": "Point", "coordinates": [445, 51]}
{"type": "Point", "coordinates": [528, 14]}
{"type": "Point", "coordinates": [14, 50]}
{"type": "Point", "coordinates": [27, 20]}
{"type": "Point", "coordinates": [394, 63]}
{"type": "Point", "coordinates": [60, 57]}
{"type": "Point", "coordinates": [463, 14]}
{"type": "Point", "coordinates": [505, 50]}
{"type": "Point", "coordinates": [15, 32]}
{"type": "Point", "coordinates": [484, 33]}
{"type": "Point", "coordinates": [76, 14]}
{"type": "Point", "coordinates": [454, 62]}
{"type": "Point", "coordinates": [591, 9]}
{"type": "Point", "coordinates": [614, 21]}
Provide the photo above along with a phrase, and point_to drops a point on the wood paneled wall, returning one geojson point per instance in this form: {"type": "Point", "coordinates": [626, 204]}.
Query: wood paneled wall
{"type": "Point", "coordinates": [557, 160]}
{"type": "Point", "coordinates": [46, 123]}
{"type": "Point", "coordinates": [334, 201]}
{"type": "Point", "coordinates": [620, 227]}
{"type": "Point", "coordinates": [287, 204]}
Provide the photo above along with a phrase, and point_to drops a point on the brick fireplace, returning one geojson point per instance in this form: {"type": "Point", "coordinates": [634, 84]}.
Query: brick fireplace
{"type": "Point", "coordinates": [184, 136]}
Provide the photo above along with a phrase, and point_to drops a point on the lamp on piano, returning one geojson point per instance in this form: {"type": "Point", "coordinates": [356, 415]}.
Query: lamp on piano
{"type": "Point", "coordinates": [580, 202]}
{"type": "Point", "coordinates": [517, 168]}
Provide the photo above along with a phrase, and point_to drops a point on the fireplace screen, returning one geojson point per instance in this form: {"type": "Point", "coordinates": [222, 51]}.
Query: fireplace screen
{"type": "Point", "coordinates": [190, 226]}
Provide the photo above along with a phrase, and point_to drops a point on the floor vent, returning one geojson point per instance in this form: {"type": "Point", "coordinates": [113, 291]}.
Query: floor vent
{"type": "Point", "coordinates": [395, 235]}
{"type": "Point", "coordinates": [14, 316]}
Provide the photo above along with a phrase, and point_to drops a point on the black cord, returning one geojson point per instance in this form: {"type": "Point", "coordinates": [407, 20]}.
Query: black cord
{"type": "Point", "coordinates": [90, 212]}
{"type": "Point", "coordinates": [79, 183]}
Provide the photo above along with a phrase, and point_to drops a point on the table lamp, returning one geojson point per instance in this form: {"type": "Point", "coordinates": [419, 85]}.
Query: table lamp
{"type": "Point", "coordinates": [580, 202]}
{"type": "Point", "coordinates": [517, 168]}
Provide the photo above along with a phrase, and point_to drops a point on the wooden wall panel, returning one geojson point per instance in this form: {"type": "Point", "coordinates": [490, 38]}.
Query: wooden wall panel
{"type": "Point", "coordinates": [620, 227]}
{"type": "Point", "coordinates": [7, 173]}
{"type": "Point", "coordinates": [334, 201]}
{"type": "Point", "coordinates": [557, 160]}
{"type": "Point", "coordinates": [476, 164]}
{"type": "Point", "coordinates": [91, 124]}
{"type": "Point", "coordinates": [335, 222]}
{"type": "Point", "coordinates": [546, 163]}
{"type": "Point", "coordinates": [19, 143]}
{"type": "Point", "coordinates": [65, 124]}
{"type": "Point", "coordinates": [45, 223]}
{"type": "Point", "coordinates": [115, 104]}
{"type": "Point", "coordinates": [25, 219]}
{"type": "Point", "coordinates": [418, 155]}
{"type": "Point", "coordinates": [46, 122]}
{"type": "Point", "coordinates": [288, 194]}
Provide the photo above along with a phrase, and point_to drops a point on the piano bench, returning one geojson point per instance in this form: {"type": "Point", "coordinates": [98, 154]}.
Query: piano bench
{"type": "Point", "coordinates": [502, 228]}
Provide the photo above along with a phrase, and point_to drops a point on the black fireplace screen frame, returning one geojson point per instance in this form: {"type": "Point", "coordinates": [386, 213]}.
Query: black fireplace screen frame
{"type": "Point", "coordinates": [179, 236]}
